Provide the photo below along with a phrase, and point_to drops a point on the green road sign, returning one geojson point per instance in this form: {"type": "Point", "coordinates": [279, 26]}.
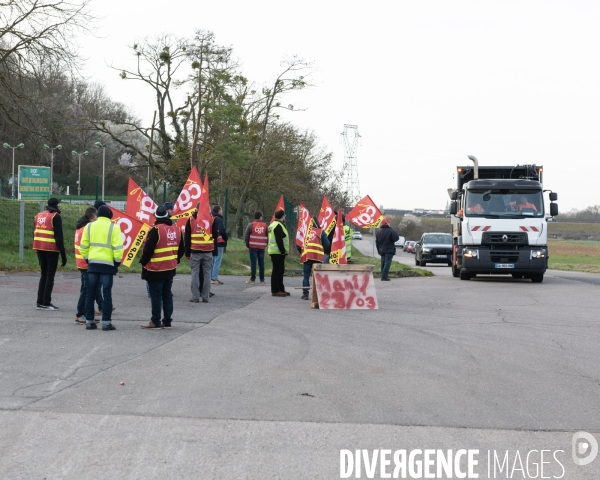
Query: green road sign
{"type": "Point", "coordinates": [34, 183]}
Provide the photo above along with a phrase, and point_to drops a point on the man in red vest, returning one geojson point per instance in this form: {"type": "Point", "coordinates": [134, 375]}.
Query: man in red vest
{"type": "Point", "coordinates": [256, 238]}
{"type": "Point", "coordinates": [161, 254]}
{"type": "Point", "coordinates": [48, 242]}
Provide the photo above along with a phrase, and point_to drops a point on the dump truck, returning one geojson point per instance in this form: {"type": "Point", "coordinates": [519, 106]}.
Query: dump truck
{"type": "Point", "coordinates": [500, 222]}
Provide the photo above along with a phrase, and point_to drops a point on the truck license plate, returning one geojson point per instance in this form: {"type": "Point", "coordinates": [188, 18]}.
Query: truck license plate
{"type": "Point", "coordinates": [441, 256]}
{"type": "Point", "coordinates": [504, 265]}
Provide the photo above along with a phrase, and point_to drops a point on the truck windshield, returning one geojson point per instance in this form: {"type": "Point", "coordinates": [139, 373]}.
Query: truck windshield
{"type": "Point", "coordinates": [504, 203]}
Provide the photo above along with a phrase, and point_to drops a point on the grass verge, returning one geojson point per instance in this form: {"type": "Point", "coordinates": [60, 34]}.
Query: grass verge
{"type": "Point", "coordinates": [571, 255]}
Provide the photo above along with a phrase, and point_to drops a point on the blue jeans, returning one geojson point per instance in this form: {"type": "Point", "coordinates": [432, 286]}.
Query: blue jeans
{"type": "Point", "coordinates": [257, 254]}
{"type": "Point", "coordinates": [326, 258]}
{"type": "Point", "coordinates": [82, 294]}
{"type": "Point", "coordinates": [217, 264]}
{"type": "Point", "coordinates": [386, 263]}
{"type": "Point", "coordinates": [92, 281]}
{"type": "Point", "coordinates": [162, 300]}
{"type": "Point", "coordinates": [307, 269]}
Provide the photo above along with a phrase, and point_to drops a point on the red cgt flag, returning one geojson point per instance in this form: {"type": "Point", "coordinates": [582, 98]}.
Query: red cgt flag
{"type": "Point", "coordinates": [365, 214]}
{"type": "Point", "coordinates": [204, 217]}
{"type": "Point", "coordinates": [304, 219]}
{"type": "Point", "coordinates": [139, 204]}
{"type": "Point", "coordinates": [133, 232]}
{"type": "Point", "coordinates": [280, 206]}
{"type": "Point", "coordinates": [326, 216]}
{"type": "Point", "coordinates": [338, 246]}
{"type": "Point", "coordinates": [189, 196]}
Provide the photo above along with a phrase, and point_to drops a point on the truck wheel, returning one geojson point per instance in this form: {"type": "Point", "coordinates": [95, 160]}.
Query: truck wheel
{"type": "Point", "coordinates": [537, 277]}
{"type": "Point", "coordinates": [455, 271]}
{"type": "Point", "coordinates": [464, 276]}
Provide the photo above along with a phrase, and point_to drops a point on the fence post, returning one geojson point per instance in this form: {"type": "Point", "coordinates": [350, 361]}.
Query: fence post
{"type": "Point", "coordinates": [21, 229]}
{"type": "Point", "coordinates": [42, 207]}
{"type": "Point", "coordinates": [96, 187]}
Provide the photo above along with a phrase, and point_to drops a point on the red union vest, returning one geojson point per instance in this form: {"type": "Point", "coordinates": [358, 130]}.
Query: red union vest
{"type": "Point", "coordinates": [79, 261]}
{"type": "Point", "coordinates": [258, 236]}
{"type": "Point", "coordinates": [43, 233]}
{"type": "Point", "coordinates": [313, 250]}
{"type": "Point", "coordinates": [202, 239]}
{"type": "Point", "coordinates": [165, 252]}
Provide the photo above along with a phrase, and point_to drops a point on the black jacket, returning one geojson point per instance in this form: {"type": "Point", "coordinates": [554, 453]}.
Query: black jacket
{"type": "Point", "coordinates": [220, 225]}
{"type": "Point", "coordinates": [385, 239]}
{"type": "Point", "coordinates": [149, 246]}
{"type": "Point", "coordinates": [188, 237]}
{"type": "Point", "coordinates": [58, 232]}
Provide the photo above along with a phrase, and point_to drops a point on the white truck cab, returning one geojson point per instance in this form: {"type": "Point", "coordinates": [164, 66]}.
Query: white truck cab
{"type": "Point", "coordinates": [499, 222]}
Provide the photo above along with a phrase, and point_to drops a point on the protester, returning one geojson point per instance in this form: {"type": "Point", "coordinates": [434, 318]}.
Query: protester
{"type": "Point", "coordinates": [278, 247]}
{"type": "Point", "coordinates": [48, 242]}
{"type": "Point", "coordinates": [386, 248]}
{"type": "Point", "coordinates": [312, 252]}
{"type": "Point", "coordinates": [256, 239]}
{"type": "Point", "coordinates": [221, 240]}
{"type": "Point", "coordinates": [162, 252]}
{"type": "Point", "coordinates": [199, 247]}
{"type": "Point", "coordinates": [348, 233]}
{"type": "Point", "coordinates": [82, 265]}
{"type": "Point", "coordinates": [99, 299]}
{"type": "Point", "coordinates": [102, 247]}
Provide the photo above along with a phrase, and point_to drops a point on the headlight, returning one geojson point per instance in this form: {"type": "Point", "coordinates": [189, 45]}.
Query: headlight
{"type": "Point", "coordinates": [426, 250]}
{"type": "Point", "coordinates": [538, 253]}
{"type": "Point", "coordinates": [470, 253]}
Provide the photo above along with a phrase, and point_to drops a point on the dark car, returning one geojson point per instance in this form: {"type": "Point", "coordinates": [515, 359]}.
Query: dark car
{"type": "Point", "coordinates": [434, 248]}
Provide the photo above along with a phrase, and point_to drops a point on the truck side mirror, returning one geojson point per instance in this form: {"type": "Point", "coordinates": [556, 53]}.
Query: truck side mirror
{"type": "Point", "coordinates": [454, 195]}
{"type": "Point", "coordinates": [553, 209]}
{"type": "Point", "coordinates": [553, 196]}
{"type": "Point", "coordinates": [453, 207]}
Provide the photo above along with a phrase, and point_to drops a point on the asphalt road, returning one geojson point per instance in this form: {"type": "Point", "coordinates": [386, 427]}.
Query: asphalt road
{"type": "Point", "coordinates": [251, 386]}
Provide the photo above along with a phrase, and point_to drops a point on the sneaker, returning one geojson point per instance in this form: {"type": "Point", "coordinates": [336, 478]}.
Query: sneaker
{"type": "Point", "coordinates": [204, 300]}
{"type": "Point", "coordinates": [304, 296]}
{"type": "Point", "coordinates": [166, 324]}
{"type": "Point", "coordinates": [262, 282]}
{"type": "Point", "coordinates": [279, 294]}
{"type": "Point", "coordinates": [38, 306]}
{"type": "Point", "coordinates": [80, 320]}
{"type": "Point", "coordinates": [194, 300]}
{"type": "Point", "coordinates": [385, 279]}
{"type": "Point", "coordinates": [250, 282]}
{"type": "Point", "coordinates": [287, 293]}
{"type": "Point", "coordinates": [210, 295]}
{"type": "Point", "coordinates": [110, 326]}
{"type": "Point", "coordinates": [148, 326]}
{"type": "Point", "coordinates": [91, 326]}
{"type": "Point", "coordinates": [49, 307]}
{"type": "Point", "coordinates": [215, 282]}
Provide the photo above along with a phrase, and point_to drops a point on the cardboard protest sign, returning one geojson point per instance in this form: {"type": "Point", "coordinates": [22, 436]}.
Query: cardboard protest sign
{"type": "Point", "coordinates": [344, 287]}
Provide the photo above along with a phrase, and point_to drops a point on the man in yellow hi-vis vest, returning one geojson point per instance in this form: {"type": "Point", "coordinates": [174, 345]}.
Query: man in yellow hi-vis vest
{"type": "Point", "coordinates": [277, 248]}
{"type": "Point", "coordinates": [102, 247]}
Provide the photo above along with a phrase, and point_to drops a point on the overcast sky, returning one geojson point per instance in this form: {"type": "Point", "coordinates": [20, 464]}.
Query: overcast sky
{"type": "Point", "coordinates": [426, 82]}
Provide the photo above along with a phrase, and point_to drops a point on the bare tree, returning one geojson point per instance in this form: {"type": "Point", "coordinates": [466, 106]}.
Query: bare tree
{"type": "Point", "coordinates": [34, 32]}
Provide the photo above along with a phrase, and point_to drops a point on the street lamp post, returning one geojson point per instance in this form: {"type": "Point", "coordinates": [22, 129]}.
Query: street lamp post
{"type": "Point", "coordinates": [20, 145]}
{"type": "Point", "coordinates": [58, 147]}
{"type": "Point", "coordinates": [79, 175]}
{"type": "Point", "coordinates": [98, 144]}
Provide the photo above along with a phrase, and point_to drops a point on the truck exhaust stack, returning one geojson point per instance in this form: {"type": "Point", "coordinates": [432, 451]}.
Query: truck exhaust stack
{"type": "Point", "coordinates": [476, 167]}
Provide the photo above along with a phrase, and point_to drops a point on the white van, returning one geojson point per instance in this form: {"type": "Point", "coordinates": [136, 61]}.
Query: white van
{"type": "Point", "coordinates": [400, 242]}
